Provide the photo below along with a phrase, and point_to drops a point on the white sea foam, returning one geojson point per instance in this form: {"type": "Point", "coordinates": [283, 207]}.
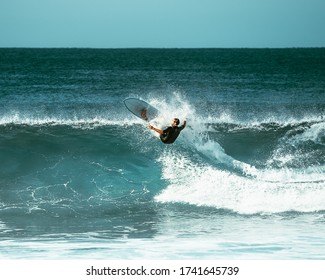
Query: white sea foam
{"type": "Point", "coordinates": [271, 191]}
{"type": "Point", "coordinates": [314, 133]}
{"type": "Point", "coordinates": [16, 118]}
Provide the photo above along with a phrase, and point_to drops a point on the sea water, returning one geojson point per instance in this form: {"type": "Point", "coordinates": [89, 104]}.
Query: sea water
{"type": "Point", "coordinates": [81, 177]}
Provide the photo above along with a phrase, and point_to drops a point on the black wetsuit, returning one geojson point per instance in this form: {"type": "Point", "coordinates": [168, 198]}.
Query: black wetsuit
{"type": "Point", "coordinates": [170, 134]}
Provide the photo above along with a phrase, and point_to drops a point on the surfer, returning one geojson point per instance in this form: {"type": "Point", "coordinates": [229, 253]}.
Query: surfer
{"type": "Point", "coordinates": [170, 134]}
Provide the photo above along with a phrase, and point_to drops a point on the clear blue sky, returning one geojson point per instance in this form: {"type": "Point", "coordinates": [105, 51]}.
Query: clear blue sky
{"type": "Point", "coordinates": [162, 23]}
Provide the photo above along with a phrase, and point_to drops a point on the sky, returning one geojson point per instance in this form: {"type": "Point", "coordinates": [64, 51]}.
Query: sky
{"type": "Point", "coordinates": [162, 23]}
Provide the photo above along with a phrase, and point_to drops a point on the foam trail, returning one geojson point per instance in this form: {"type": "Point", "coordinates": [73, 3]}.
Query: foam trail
{"type": "Point", "coordinates": [204, 185]}
{"type": "Point", "coordinates": [195, 135]}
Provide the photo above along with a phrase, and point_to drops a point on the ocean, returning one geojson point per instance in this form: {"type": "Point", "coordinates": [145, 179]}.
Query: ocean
{"type": "Point", "coordinates": [83, 178]}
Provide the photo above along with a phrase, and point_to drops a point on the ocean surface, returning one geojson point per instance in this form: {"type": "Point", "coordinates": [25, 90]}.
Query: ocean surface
{"type": "Point", "coordinates": [81, 177]}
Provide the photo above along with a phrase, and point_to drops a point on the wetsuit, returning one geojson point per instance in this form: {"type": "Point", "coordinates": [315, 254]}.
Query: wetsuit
{"type": "Point", "coordinates": [171, 133]}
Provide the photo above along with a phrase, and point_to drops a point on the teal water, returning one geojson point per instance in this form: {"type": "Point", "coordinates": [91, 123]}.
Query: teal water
{"type": "Point", "coordinates": [81, 177]}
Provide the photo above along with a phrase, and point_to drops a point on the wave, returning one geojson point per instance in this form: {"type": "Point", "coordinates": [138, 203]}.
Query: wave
{"type": "Point", "coordinates": [265, 166]}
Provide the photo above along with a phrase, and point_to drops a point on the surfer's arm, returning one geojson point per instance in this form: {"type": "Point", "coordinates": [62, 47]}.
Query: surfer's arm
{"type": "Point", "coordinates": [156, 129]}
{"type": "Point", "coordinates": [184, 124]}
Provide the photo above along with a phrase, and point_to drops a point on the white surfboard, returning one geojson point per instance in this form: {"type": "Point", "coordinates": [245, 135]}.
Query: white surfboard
{"type": "Point", "coordinates": [141, 109]}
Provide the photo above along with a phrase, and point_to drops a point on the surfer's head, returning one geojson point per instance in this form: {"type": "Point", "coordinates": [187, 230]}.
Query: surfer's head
{"type": "Point", "coordinates": [175, 122]}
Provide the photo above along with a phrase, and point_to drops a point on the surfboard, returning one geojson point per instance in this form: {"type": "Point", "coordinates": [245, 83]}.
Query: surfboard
{"type": "Point", "coordinates": [140, 108]}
